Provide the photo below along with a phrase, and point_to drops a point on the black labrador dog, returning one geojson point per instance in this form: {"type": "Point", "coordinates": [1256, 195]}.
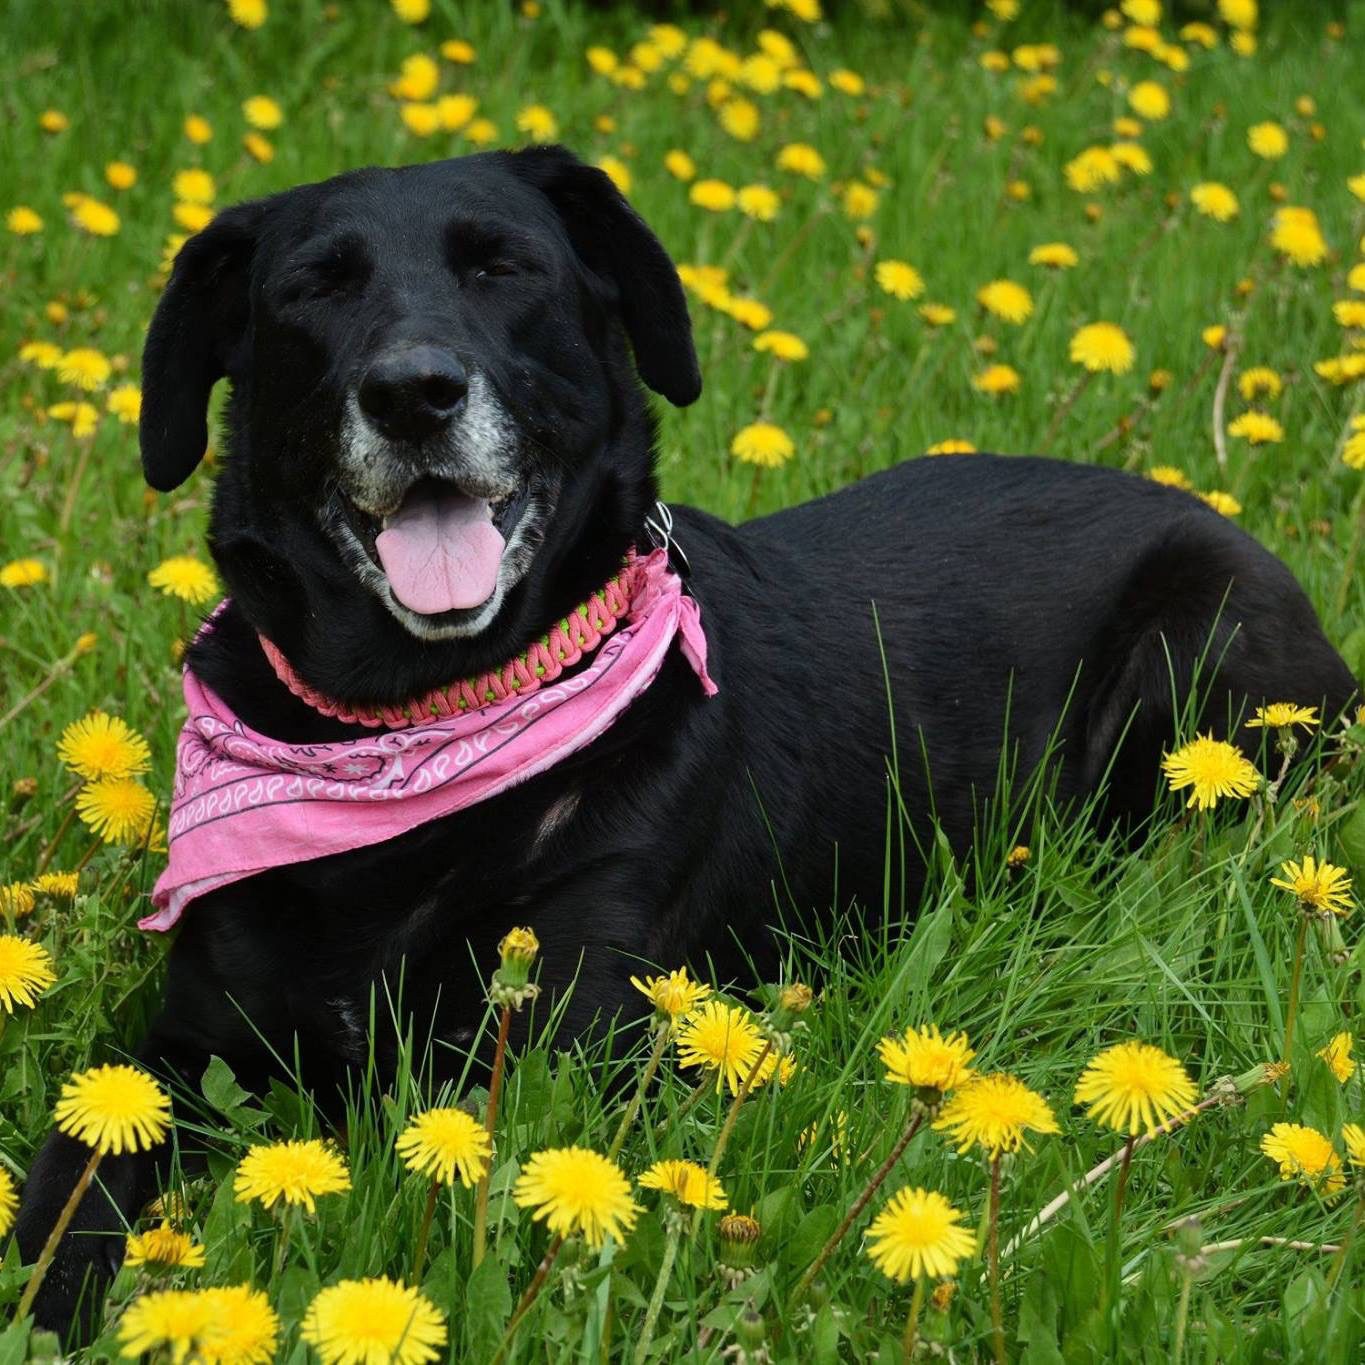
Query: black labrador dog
{"type": "Point", "coordinates": [452, 350]}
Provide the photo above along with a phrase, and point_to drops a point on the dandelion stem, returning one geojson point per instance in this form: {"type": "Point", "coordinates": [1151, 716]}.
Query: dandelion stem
{"type": "Point", "coordinates": [46, 856]}
{"type": "Point", "coordinates": [1182, 1313]}
{"type": "Point", "coordinates": [858, 1205]}
{"type": "Point", "coordinates": [58, 669]}
{"type": "Point", "coordinates": [1291, 1009]}
{"type": "Point", "coordinates": [1114, 1267]}
{"type": "Point", "coordinates": [419, 1255]}
{"type": "Point", "coordinates": [723, 1139]}
{"type": "Point", "coordinates": [1065, 407]}
{"type": "Point", "coordinates": [528, 1298]}
{"type": "Point", "coordinates": [656, 1299]}
{"type": "Point", "coordinates": [911, 1339]}
{"type": "Point", "coordinates": [661, 1037]}
{"type": "Point", "coordinates": [1231, 347]}
{"type": "Point", "coordinates": [55, 1236]}
{"type": "Point", "coordinates": [489, 1123]}
{"type": "Point", "coordinates": [993, 1260]}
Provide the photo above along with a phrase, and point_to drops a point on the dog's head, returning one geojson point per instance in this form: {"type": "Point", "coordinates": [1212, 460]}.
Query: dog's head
{"type": "Point", "coordinates": [432, 410]}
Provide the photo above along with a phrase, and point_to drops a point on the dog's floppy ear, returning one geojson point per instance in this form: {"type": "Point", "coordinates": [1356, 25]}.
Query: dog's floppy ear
{"type": "Point", "coordinates": [201, 317]}
{"type": "Point", "coordinates": [616, 243]}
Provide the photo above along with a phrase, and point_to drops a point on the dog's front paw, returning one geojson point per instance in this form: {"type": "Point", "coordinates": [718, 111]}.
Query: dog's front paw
{"type": "Point", "coordinates": [71, 1295]}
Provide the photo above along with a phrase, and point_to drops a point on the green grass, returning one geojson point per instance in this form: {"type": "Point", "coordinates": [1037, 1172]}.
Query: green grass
{"type": "Point", "coordinates": [1181, 942]}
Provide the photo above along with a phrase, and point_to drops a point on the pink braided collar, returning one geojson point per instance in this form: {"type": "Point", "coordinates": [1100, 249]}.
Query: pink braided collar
{"type": "Point", "coordinates": [576, 635]}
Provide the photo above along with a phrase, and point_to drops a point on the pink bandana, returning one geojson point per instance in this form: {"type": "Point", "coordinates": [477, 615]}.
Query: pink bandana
{"type": "Point", "coordinates": [244, 802]}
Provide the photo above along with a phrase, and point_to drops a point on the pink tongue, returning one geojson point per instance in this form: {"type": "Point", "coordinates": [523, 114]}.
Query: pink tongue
{"type": "Point", "coordinates": [441, 551]}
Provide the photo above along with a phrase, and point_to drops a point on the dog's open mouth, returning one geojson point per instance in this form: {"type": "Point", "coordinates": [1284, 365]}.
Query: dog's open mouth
{"type": "Point", "coordinates": [442, 547]}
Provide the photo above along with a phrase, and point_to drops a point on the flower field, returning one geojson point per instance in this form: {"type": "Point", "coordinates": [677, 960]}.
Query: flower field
{"type": "Point", "coordinates": [1087, 1101]}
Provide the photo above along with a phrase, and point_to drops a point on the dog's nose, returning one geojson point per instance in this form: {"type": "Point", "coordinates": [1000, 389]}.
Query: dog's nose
{"type": "Point", "coordinates": [413, 392]}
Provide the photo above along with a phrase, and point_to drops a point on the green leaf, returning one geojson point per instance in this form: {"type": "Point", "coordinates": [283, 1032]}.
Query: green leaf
{"type": "Point", "coordinates": [14, 1343]}
{"type": "Point", "coordinates": [488, 1305]}
{"type": "Point", "coordinates": [1351, 833]}
{"type": "Point", "coordinates": [220, 1088]}
{"type": "Point", "coordinates": [811, 1234]}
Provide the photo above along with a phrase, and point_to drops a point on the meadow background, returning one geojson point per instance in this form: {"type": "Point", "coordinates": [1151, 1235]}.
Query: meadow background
{"type": "Point", "coordinates": [947, 141]}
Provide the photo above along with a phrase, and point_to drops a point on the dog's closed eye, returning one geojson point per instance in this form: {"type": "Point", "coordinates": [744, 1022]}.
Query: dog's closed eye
{"type": "Point", "coordinates": [336, 268]}
{"type": "Point", "coordinates": [480, 251]}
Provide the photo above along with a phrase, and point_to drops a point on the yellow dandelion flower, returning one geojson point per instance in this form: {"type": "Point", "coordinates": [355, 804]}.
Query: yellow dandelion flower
{"type": "Point", "coordinates": [1212, 769]}
{"type": "Point", "coordinates": [1257, 428]}
{"type": "Point", "coordinates": [740, 118]}
{"type": "Point", "coordinates": [119, 175]}
{"type": "Point", "coordinates": [418, 78]}
{"type": "Point", "coordinates": [9, 1201]}
{"type": "Point", "coordinates": [859, 200]}
{"type": "Point", "coordinates": [1006, 300]}
{"type": "Point", "coordinates": [616, 171]}
{"type": "Point", "coordinates": [918, 1234]}
{"type": "Point", "coordinates": [293, 1172]}
{"type": "Point", "coordinates": [459, 51]}
{"type": "Point", "coordinates": [419, 118]}
{"type": "Point", "coordinates": [258, 148]}
{"type": "Point", "coordinates": [99, 745]}
{"type": "Point", "coordinates": [782, 345]}
{"type": "Point", "coordinates": [1337, 1055]}
{"type": "Point", "coordinates": [679, 165]}
{"type": "Point", "coordinates": [1134, 1086]}
{"type": "Point", "coordinates": [443, 1142]}
{"type": "Point", "coordinates": [1353, 1136]}
{"type": "Point", "coordinates": [1091, 169]}
{"type": "Point", "coordinates": [16, 899]}
{"type": "Point", "coordinates": [1320, 887]}
{"type": "Point", "coordinates": [715, 196]}
{"type": "Point", "coordinates": [84, 417]}
{"type": "Point", "coordinates": [1296, 234]}
{"type": "Point", "coordinates": [1171, 476]}
{"type": "Point", "coordinates": [25, 973]}
{"type": "Point", "coordinates": [538, 123]}
{"type": "Point", "coordinates": [1102, 347]}
{"type": "Point", "coordinates": [1222, 503]}
{"type": "Point", "coordinates": [1349, 313]}
{"type": "Point", "coordinates": [759, 202]}
{"type": "Point", "coordinates": [1054, 255]}
{"type": "Point", "coordinates": [85, 367]}
{"type": "Point", "coordinates": [1132, 156]}
{"type": "Point", "coordinates": [1149, 100]}
{"type": "Point", "coordinates": [185, 577]}
{"type": "Point", "coordinates": [53, 121]}
{"type": "Point", "coordinates": [674, 995]}
{"type": "Point", "coordinates": [996, 380]}
{"type": "Point", "coordinates": [721, 1038]}
{"type": "Point", "coordinates": [60, 885]}
{"type": "Point", "coordinates": [242, 1328]}
{"type": "Point", "coordinates": [937, 314]}
{"type": "Point", "coordinates": [164, 1248]}
{"type": "Point", "coordinates": [847, 82]}
{"type": "Point", "coordinates": [114, 1109]}
{"type": "Point", "coordinates": [747, 312]}
{"type": "Point", "coordinates": [23, 573]}
{"type": "Point", "coordinates": [954, 445]}
{"type": "Point", "coordinates": [260, 111]}
{"type": "Point", "coordinates": [23, 221]}
{"type": "Point", "coordinates": [194, 186]}
{"type": "Point", "coordinates": [926, 1059]}
{"type": "Point", "coordinates": [764, 444]}
{"type": "Point", "coordinates": [91, 216]}
{"type": "Point", "coordinates": [687, 1182]}
{"type": "Point", "coordinates": [1214, 201]}
{"type": "Point", "coordinates": [411, 11]}
{"type": "Point", "coordinates": [1281, 715]}
{"type": "Point", "coordinates": [800, 158]}
{"type": "Point", "coordinates": [173, 1319]}
{"type": "Point", "coordinates": [1257, 381]}
{"type": "Point", "coordinates": [198, 129]}
{"type": "Point", "coordinates": [125, 402]}
{"type": "Point", "coordinates": [118, 809]}
{"type": "Point", "coordinates": [994, 1112]}
{"type": "Point", "coordinates": [1303, 1153]}
{"type": "Point", "coordinates": [1268, 140]}
{"type": "Point", "coordinates": [899, 279]}
{"type": "Point", "coordinates": [357, 1322]}
{"type": "Point", "coordinates": [576, 1190]}
{"type": "Point", "coordinates": [248, 14]}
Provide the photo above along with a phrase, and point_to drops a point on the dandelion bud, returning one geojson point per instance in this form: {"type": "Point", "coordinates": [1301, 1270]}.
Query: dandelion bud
{"type": "Point", "coordinates": [1189, 1242]}
{"type": "Point", "coordinates": [85, 643]}
{"type": "Point", "coordinates": [943, 1294]}
{"type": "Point", "coordinates": [738, 1234]}
{"type": "Point", "coordinates": [23, 789]}
{"type": "Point", "coordinates": [751, 1331]}
{"type": "Point", "coordinates": [796, 997]}
{"type": "Point", "coordinates": [1018, 857]}
{"type": "Point", "coordinates": [511, 982]}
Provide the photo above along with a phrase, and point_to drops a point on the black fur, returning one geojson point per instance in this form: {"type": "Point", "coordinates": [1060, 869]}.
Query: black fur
{"type": "Point", "coordinates": [1072, 599]}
